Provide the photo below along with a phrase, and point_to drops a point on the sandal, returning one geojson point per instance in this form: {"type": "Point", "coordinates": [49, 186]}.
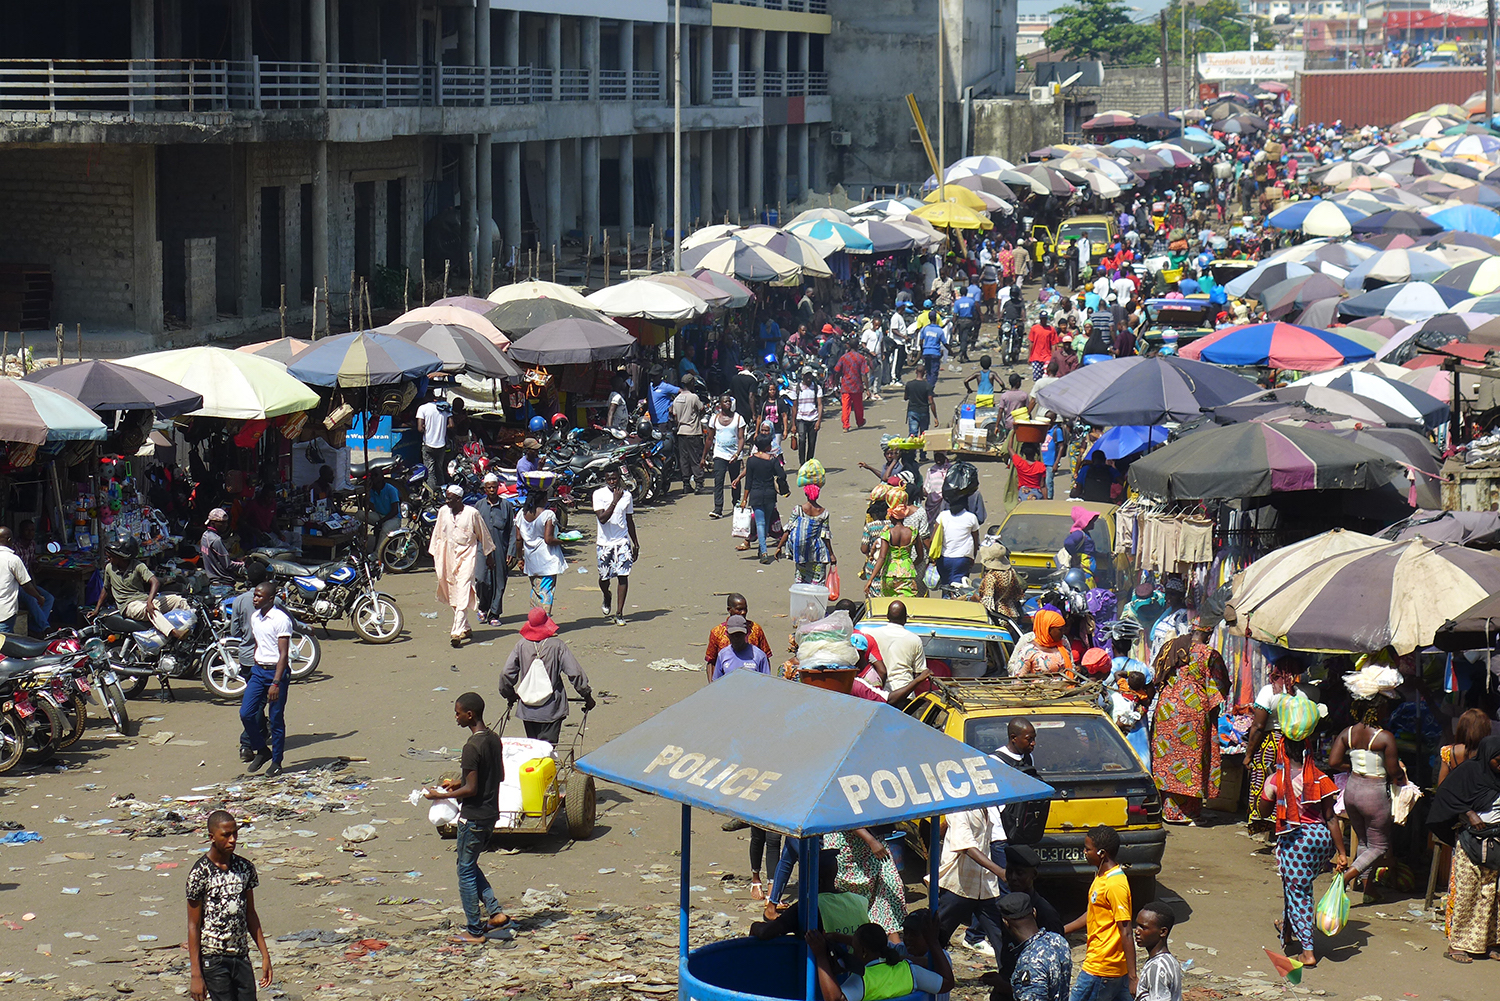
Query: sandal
{"type": "Point", "coordinates": [756, 893]}
{"type": "Point", "coordinates": [1494, 954]}
{"type": "Point", "coordinates": [1462, 958]}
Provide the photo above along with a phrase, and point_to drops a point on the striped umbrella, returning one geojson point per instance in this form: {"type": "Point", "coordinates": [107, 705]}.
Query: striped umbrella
{"type": "Point", "coordinates": [1279, 345]}
{"type": "Point", "coordinates": [1254, 460]}
{"type": "Point", "coordinates": [1390, 267]}
{"type": "Point", "coordinates": [1396, 595]}
{"type": "Point", "coordinates": [885, 238]}
{"type": "Point", "coordinates": [235, 385]}
{"type": "Point", "coordinates": [739, 259]}
{"type": "Point", "coordinates": [1313, 404]}
{"type": "Point", "coordinates": [283, 349]}
{"type": "Point", "coordinates": [363, 358]}
{"type": "Point", "coordinates": [830, 237]}
{"type": "Point", "coordinates": [1397, 395]}
{"type": "Point", "coordinates": [1275, 568]}
{"type": "Point", "coordinates": [460, 349]}
{"type": "Point", "coordinates": [1479, 277]}
{"type": "Point", "coordinates": [1413, 301]}
{"type": "Point", "coordinates": [34, 415]}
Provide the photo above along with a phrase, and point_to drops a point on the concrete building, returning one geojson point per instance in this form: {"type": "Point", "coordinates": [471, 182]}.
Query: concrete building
{"type": "Point", "coordinates": [882, 50]}
{"type": "Point", "coordinates": [173, 164]}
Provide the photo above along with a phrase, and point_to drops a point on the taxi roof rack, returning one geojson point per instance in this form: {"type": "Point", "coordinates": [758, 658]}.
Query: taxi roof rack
{"type": "Point", "coordinates": [1032, 690]}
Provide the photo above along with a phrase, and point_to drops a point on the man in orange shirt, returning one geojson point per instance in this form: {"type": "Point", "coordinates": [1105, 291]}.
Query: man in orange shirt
{"type": "Point", "coordinates": [1108, 972]}
{"type": "Point", "coordinates": [1043, 338]}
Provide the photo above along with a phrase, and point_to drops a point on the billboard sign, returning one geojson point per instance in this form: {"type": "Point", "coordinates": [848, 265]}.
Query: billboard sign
{"type": "Point", "coordinates": [1245, 65]}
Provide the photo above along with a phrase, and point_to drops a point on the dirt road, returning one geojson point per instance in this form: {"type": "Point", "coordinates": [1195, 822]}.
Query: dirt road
{"type": "Point", "coordinates": [105, 887]}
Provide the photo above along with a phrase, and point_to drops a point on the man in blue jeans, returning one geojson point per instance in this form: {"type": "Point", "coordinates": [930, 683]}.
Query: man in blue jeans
{"type": "Point", "coordinates": [268, 681]}
{"type": "Point", "coordinates": [1108, 972]}
{"type": "Point", "coordinates": [478, 792]}
{"type": "Point", "coordinates": [921, 407]}
{"type": "Point", "coordinates": [933, 339]}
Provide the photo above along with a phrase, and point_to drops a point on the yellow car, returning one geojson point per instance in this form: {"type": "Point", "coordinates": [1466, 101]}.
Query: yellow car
{"type": "Point", "coordinates": [1079, 752]}
{"type": "Point", "coordinates": [957, 636]}
{"type": "Point", "coordinates": [1034, 531]}
{"type": "Point", "coordinates": [1099, 229]}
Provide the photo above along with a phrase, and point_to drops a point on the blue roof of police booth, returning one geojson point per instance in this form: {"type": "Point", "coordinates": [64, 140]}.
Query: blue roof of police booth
{"type": "Point", "coordinates": [801, 760]}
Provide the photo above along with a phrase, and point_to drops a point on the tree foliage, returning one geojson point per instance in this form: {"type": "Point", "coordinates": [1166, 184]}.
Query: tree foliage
{"type": "Point", "coordinates": [1217, 33]}
{"type": "Point", "coordinates": [1102, 29]}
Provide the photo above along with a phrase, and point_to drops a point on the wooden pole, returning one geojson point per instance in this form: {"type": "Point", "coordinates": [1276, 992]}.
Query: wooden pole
{"type": "Point", "coordinates": [471, 272]}
{"type": "Point", "coordinates": [59, 343]}
{"type": "Point", "coordinates": [283, 309]}
{"type": "Point", "coordinates": [327, 309]}
{"type": "Point", "coordinates": [80, 342]}
{"type": "Point", "coordinates": [23, 354]}
{"type": "Point", "coordinates": [629, 249]}
{"type": "Point", "coordinates": [351, 302]}
{"type": "Point", "coordinates": [424, 281]}
{"type": "Point", "coordinates": [554, 264]}
{"type": "Point", "coordinates": [406, 291]}
{"type": "Point", "coordinates": [606, 258]}
{"type": "Point", "coordinates": [315, 313]}
{"type": "Point", "coordinates": [369, 308]}
{"type": "Point", "coordinates": [490, 286]}
{"type": "Point", "coordinates": [650, 244]}
{"type": "Point", "coordinates": [5, 352]}
{"type": "Point", "coordinates": [447, 273]}
{"type": "Point", "coordinates": [588, 261]}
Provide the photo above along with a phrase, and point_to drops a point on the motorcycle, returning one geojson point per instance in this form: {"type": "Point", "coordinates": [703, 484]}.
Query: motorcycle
{"type": "Point", "coordinates": [1010, 341]}
{"type": "Point", "coordinates": [402, 549]}
{"type": "Point", "coordinates": [44, 689]}
{"type": "Point", "coordinates": [341, 589]}
{"type": "Point", "coordinates": [94, 677]}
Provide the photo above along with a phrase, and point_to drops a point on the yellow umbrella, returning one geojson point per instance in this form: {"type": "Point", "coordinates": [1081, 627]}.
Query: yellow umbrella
{"type": "Point", "coordinates": [951, 215]}
{"type": "Point", "coordinates": [967, 197]}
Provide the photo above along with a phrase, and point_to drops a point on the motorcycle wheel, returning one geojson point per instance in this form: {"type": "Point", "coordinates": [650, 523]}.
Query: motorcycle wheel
{"type": "Point", "coordinates": [221, 676]}
{"type": "Point", "coordinates": [135, 687]}
{"type": "Point", "coordinates": [75, 713]}
{"type": "Point", "coordinates": [305, 655]}
{"type": "Point", "coordinates": [401, 553]}
{"type": "Point", "coordinates": [114, 701]}
{"type": "Point", "coordinates": [644, 488]}
{"type": "Point", "coordinates": [12, 740]}
{"type": "Point", "coordinates": [376, 619]}
{"type": "Point", "coordinates": [44, 731]}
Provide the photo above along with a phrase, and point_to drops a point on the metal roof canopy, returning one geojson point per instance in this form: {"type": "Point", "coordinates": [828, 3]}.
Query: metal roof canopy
{"type": "Point", "coordinates": [807, 761]}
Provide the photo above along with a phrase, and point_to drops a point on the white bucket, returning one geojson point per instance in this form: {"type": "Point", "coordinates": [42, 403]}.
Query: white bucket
{"type": "Point", "coordinates": [809, 603]}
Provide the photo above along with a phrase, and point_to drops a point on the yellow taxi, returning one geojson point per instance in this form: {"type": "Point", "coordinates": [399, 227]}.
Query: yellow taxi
{"type": "Point", "coordinates": [957, 636]}
{"type": "Point", "coordinates": [1079, 751]}
{"type": "Point", "coordinates": [1098, 229]}
{"type": "Point", "coordinates": [1034, 531]}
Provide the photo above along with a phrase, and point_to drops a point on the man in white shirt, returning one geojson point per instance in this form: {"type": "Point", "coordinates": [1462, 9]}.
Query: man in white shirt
{"type": "Point", "coordinates": [432, 423]}
{"type": "Point", "coordinates": [615, 543]}
{"type": "Point", "coordinates": [266, 686]}
{"type": "Point", "coordinates": [1016, 752]}
{"type": "Point", "coordinates": [1084, 249]}
{"type": "Point", "coordinates": [13, 580]}
{"type": "Point", "coordinates": [969, 882]}
{"type": "Point", "coordinates": [900, 648]}
{"type": "Point", "coordinates": [893, 359]}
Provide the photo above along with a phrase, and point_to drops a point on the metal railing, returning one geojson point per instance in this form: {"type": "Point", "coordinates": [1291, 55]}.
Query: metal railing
{"type": "Point", "coordinates": [817, 83]}
{"type": "Point", "coordinates": [541, 83]}
{"type": "Point", "coordinates": [373, 85]}
{"type": "Point", "coordinates": [773, 83]}
{"type": "Point", "coordinates": [796, 83]}
{"type": "Point", "coordinates": [574, 84]}
{"type": "Point", "coordinates": [50, 85]}
{"type": "Point", "coordinates": [723, 85]}
{"type": "Point", "coordinates": [613, 85]}
{"type": "Point", "coordinates": [647, 86]}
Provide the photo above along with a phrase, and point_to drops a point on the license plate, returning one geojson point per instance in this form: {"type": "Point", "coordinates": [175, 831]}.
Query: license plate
{"type": "Point", "coordinates": [25, 709]}
{"type": "Point", "coordinates": [83, 685]}
{"type": "Point", "coordinates": [1060, 854]}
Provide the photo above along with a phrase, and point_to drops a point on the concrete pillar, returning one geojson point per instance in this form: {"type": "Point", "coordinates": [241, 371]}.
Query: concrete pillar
{"type": "Point", "coordinates": [661, 59]}
{"type": "Point", "coordinates": [627, 57]}
{"type": "Point", "coordinates": [320, 187]}
{"type": "Point", "coordinates": [627, 187]}
{"type": "Point", "coordinates": [482, 33]}
{"type": "Point", "coordinates": [334, 36]}
{"type": "Point", "coordinates": [169, 26]}
{"type": "Point", "coordinates": [816, 170]}
{"type": "Point", "coordinates": [468, 208]}
{"type": "Point", "coordinates": [511, 48]}
{"type": "Point", "coordinates": [248, 295]}
{"type": "Point", "coordinates": [757, 61]}
{"type": "Point", "coordinates": [484, 192]}
{"type": "Point", "coordinates": [734, 61]}
{"type": "Point", "coordinates": [143, 29]}
{"type": "Point", "coordinates": [465, 38]}
{"type": "Point", "coordinates": [554, 230]}
{"type": "Point", "coordinates": [317, 49]}
{"type": "Point", "coordinates": [803, 48]}
{"type": "Point", "coordinates": [511, 180]}
{"type": "Point", "coordinates": [554, 60]}
{"type": "Point", "coordinates": [662, 151]}
{"type": "Point", "coordinates": [732, 166]}
{"type": "Point", "coordinates": [804, 156]}
{"type": "Point", "coordinates": [757, 171]}
{"type": "Point", "coordinates": [685, 59]}
{"type": "Point", "coordinates": [146, 284]}
{"type": "Point", "coordinates": [778, 193]}
{"type": "Point", "coordinates": [705, 42]}
{"type": "Point", "coordinates": [241, 31]}
{"type": "Point", "coordinates": [590, 62]}
{"type": "Point", "coordinates": [588, 152]}
{"type": "Point", "coordinates": [778, 41]}
{"type": "Point", "coordinates": [291, 243]}
{"type": "Point", "coordinates": [706, 175]}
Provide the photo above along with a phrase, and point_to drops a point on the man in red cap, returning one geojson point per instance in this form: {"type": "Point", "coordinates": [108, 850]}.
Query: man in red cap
{"type": "Point", "coordinates": [533, 676]}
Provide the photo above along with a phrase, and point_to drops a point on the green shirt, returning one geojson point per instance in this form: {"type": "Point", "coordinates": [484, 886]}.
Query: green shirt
{"type": "Point", "coordinates": [842, 913]}
{"type": "Point", "coordinates": [133, 584]}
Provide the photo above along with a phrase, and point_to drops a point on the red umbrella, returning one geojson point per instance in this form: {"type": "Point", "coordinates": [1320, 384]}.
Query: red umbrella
{"type": "Point", "coordinates": [1110, 120]}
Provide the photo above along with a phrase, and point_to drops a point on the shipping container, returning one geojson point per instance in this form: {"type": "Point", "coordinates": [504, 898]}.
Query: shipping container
{"type": "Point", "coordinates": [1380, 96]}
{"type": "Point", "coordinates": [1470, 488]}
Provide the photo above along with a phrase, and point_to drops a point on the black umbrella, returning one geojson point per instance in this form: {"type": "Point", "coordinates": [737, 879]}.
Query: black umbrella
{"type": "Point", "coordinates": [1246, 123]}
{"type": "Point", "coordinates": [460, 348]}
{"type": "Point", "coordinates": [1227, 109]}
{"type": "Point", "coordinates": [572, 342]}
{"type": "Point", "coordinates": [103, 385]}
{"type": "Point", "coordinates": [1396, 221]}
{"type": "Point", "coordinates": [1158, 121]}
{"type": "Point", "coordinates": [521, 316]}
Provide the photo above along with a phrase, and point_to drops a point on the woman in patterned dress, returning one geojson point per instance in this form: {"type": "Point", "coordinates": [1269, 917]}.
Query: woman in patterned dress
{"type": "Point", "coordinates": [1192, 684]}
{"type": "Point", "coordinates": [865, 867]}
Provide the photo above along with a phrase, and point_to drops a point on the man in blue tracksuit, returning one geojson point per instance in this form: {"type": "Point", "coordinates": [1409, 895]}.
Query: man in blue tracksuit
{"type": "Point", "coordinates": [932, 339]}
{"type": "Point", "coordinates": [965, 322]}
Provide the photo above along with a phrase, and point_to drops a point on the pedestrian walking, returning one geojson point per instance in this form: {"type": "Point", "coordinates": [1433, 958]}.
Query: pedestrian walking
{"type": "Point", "coordinates": [808, 414]}
{"type": "Point", "coordinates": [1192, 686]}
{"type": "Point", "coordinates": [687, 416]}
{"type": "Point", "coordinates": [727, 429]}
{"type": "Point", "coordinates": [482, 768]}
{"type": "Point", "coordinates": [222, 919]}
{"type": "Point", "coordinates": [533, 675]}
{"type": "Point", "coordinates": [616, 545]}
{"type": "Point", "coordinates": [1468, 803]}
{"type": "Point", "coordinates": [432, 425]}
{"type": "Point", "coordinates": [934, 341]}
{"type": "Point", "coordinates": [764, 478]}
{"type": "Point", "coordinates": [853, 372]}
{"type": "Point", "coordinates": [718, 639]}
{"type": "Point", "coordinates": [809, 532]}
{"type": "Point", "coordinates": [1108, 972]}
{"type": "Point", "coordinates": [542, 557]}
{"type": "Point", "coordinates": [1160, 977]}
{"type": "Point", "coordinates": [268, 683]}
{"type": "Point", "coordinates": [1374, 763]}
{"type": "Point", "coordinates": [968, 880]}
{"type": "Point", "coordinates": [500, 519]}
{"type": "Point", "coordinates": [458, 538]}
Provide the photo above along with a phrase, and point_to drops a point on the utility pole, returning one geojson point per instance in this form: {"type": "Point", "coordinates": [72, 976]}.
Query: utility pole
{"type": "Point", "coordinates": [677, 137]}
{"type": "Point", "coordinates": [1186, 101]}
{"type": "Point", "coordinates": [1166, 90]}
{"type": "Point", "coordinates": [1489, 65]}
{"type": "Point", "coordinates": [942, 151]}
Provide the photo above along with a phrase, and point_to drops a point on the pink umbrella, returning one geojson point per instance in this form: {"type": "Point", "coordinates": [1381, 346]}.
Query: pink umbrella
{"type": "Point", "coordinates": [1278, 345]}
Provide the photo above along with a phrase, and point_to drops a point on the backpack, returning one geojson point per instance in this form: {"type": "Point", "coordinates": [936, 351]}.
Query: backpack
{"type": "Point", "coordinates": [1025, 823]}
{"type": "Point", "coordinates": [535, 687]}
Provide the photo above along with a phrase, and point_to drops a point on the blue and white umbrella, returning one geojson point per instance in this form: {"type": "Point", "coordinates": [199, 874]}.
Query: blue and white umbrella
{"type": "Point", "coordinates": [829, 237]}
{"type": "Point", "coordinates": [34, 414]}
{"type": "Point", "coordinates": [1468, 219]}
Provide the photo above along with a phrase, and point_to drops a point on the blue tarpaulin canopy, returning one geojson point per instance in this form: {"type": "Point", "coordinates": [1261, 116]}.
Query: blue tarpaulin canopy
{"type": "Point", "coordinates": [806, 761]}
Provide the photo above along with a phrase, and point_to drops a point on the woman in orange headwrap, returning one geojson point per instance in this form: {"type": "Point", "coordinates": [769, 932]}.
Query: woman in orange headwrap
{"type": "Point", "coordinates": [1048, 652]}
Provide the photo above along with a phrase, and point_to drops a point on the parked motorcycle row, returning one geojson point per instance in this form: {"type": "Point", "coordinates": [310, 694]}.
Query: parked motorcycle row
{"type": "Point", "coordinates": [45, 689]}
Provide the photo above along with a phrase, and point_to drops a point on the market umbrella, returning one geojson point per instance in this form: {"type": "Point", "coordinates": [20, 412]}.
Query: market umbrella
{"type": "Point", "coordinates": [33, 414]}
{"type": "Point", "coordinates": [1316, 217]}
{"type": "Point", "coordinates": [283, 349]}
{"type": "Point", "coordinates": [831, 237]}
{"type": "Point", "coordinates": [235, 385]}
{"type": "Point", "coordinates": [708, 234]}
{"type": "Point", "coordinates": [987, 185]}
{"type": "Point", "coordinates": [1399, 396]}
{"type": "Point", "coordinates": [1298, 293]}
{"type": "Point", "coordinates": [739, 295]}
{"type": "Point", "coordinates": [1312, 403]}
{"type": "Point", "coordinates": [1263, 276]}
{"type": "Point", "coordinates": [1321, 315]}
{"type": "Point", "coordinates": [1393, 266]}
{"type": "Point", "coordinates": [1396, 594]}
{"type": "Point", "coordinates": [519, 317]}
{"type": "Point", "coordinates": [1480, 277]}
{"type": "Point", "coordinates": [1414, 301]}
{"type": "Point", "coordinates": [886, 207]}
{"type": "Point", "coordinates": [105, 385]}
{"type": "Point", "coordinates": [789, 245]}
{"type": "Point", "coordinates": [1270, 571]}
{"type": "Point", "coordinates": [828, 213]}
{"type": "Point", "coordinates": [1110, 120]}
{"type": "Point", "coordinates": [951, 215]}
{"type": "Point", "coordinates": [1419, 483]}
{"type": "Point", "coordinates": [460, 349]}
{"type": "Point", "coordinates": [710, 293]}
{"type": "Point", "coordinates": [1042, 174]}
{"type": "Point", "coordinates": [1279, 345]}
{"type": "Point", "coordinates": [967, 197]}
{"type": "Point", "coordinates": [1222, 109]}
{"type": "Point", "coordinates": [1479, 194]}
{"type": "Point", "coordinates": [536, 290]}
{"type": "Point", "coordinates": [1156, 121]}
{"type": "Point", "coordinates": [454, 315]}
{"type": "Point", "coordinates": [1455, 238]}
{"type": "Point", "coordinates": [1467, 528]}
{"type": "Point", "coordinates": [572, 342]}
{"type": "Point", "coordinates": [885, 238]}
{"type": "Point", "coordinates": [472, 303]}
{"type": "Point", "coordinates": [364, 358]}
{"type": "Point", "coordinates": [1403, 221]}
{"type": "Point", "coordinates": [1245, 124]}
{"type": "Point", "coordinates": [1129, 439]}
{"type": "Point", "coordinates": [1142, 391]}
{"type": "Point", "coordinates": [648, 301]}
{"type": "Point", "coordinates": [1469, 219]}
{"type": "Point", "coordinates": [1475, 628]}
{"type": "Point", "coordinates": [741, 260]}
{"type": "Point", "coordinates": [1253, 460]}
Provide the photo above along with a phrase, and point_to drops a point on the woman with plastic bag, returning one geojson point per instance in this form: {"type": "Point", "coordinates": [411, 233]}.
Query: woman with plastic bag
{"type": "Point", "coordinates": [1369, 750]}
{"type": "Point", "coordinates": [808, 530]}
{"type": "Point", "coordinates": [1308, 836]}
{"type": "Point", "coordinates": [1465, 812]}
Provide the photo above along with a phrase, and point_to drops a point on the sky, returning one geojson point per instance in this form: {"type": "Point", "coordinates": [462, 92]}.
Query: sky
{"type": "Point", "coordinates": [1147, 7]}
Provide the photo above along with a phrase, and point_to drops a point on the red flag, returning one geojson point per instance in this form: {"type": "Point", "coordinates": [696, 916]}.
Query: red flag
{"type": "Point", "coordinates": [1291, 969]}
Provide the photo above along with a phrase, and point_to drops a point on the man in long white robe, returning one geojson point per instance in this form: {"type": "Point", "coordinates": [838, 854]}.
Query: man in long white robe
{"type": "Point", "coordinates": [457, 539]}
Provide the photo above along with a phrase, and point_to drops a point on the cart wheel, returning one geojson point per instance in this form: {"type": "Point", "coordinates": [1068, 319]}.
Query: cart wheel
{"type": "Point", "coordinates": [579, 798]}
